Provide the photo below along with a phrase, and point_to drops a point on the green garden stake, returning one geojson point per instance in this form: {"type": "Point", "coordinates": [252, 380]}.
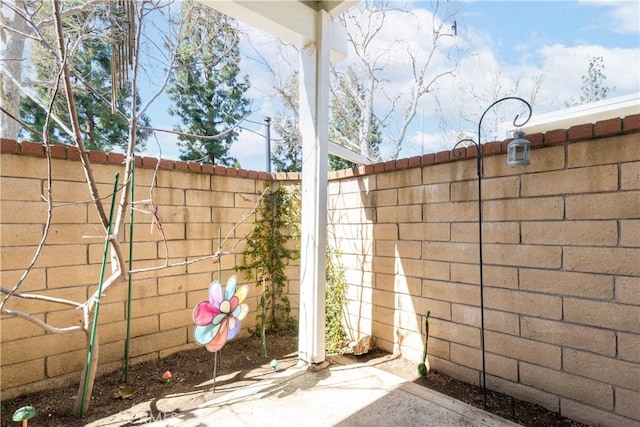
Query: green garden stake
{"type": "Point", "coordinates": [23, 414]}
{"type": "Point", "coordinates": [422, 368]}
{"type": "Point", "coordinates": [263, 322]}
{"type": "Point", "coordinates": [96, 313]}
{"type": "Point", "coordinates": [127, 341]}
{"type": "Point", "coordinates": [219, 258]}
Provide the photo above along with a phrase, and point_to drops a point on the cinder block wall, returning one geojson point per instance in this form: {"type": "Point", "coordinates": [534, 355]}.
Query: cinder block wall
{"type": "Point", "coordinates": [561, 266]}
{"type": "Point", "coordinates": [561, 251]}
{"type": "Point", "coordinates": [194, 202]}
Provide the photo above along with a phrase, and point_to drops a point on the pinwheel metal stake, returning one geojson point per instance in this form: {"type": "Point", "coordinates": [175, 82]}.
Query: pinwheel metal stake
{"type": "Point", "coordinates": [215, 370]}
{"type": "Point", "coordinates": [218, 319]}
{"type": "Point", "coordinates": [479, 166]}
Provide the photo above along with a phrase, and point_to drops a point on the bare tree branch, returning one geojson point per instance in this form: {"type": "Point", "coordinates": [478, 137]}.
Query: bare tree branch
{"type": "Point", "coordinates": [47, 225]}
{"type": "Point", "coordinates": [384, 102]}
{"type": "Point", "coordinates": [219, 253]}
{"type": "Point", "coordinates": [47, 327]}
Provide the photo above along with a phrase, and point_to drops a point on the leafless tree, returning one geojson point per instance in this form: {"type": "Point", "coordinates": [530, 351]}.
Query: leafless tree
{"type": "Point", "coordinates": [475, 91]}
{"type": "Point", "coordinates": [399, 54]}
{"type": "Point", "coordinates": [44, 23]}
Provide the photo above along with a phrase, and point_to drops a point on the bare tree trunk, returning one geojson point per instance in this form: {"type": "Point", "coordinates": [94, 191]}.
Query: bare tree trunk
{"type": "Point", "coordinates": [93, 368]}
{"type": "Point", "coordinates": [12, 30]}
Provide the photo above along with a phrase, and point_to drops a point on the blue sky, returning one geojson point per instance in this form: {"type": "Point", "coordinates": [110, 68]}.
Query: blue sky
{"type": "Point", "coordinates": [535, 23]}
{"type": "Point", "coordinates": [511, 44]}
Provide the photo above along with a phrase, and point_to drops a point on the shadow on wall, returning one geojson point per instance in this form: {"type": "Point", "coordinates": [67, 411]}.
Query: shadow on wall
{"type": "Point", "coordinates": [385, 271]}
{"type": "Point", "coordinates": [401, 255]}
{"type": "Point", "coordinates": [350, 230]}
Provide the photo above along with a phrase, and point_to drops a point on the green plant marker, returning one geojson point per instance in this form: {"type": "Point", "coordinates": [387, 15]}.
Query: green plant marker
{"type": "Point", "coordinates": [422, 367]}
{"type": "Point", "coordinates": [23, 414]}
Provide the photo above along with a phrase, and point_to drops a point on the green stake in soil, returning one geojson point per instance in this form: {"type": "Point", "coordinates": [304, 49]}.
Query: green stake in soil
{"type": "Point", "coordinates": [422, 368]}
{"type": "Point", "coordinates": [130, 279]}
{"type": "Point", "coordinates": [94, 326]}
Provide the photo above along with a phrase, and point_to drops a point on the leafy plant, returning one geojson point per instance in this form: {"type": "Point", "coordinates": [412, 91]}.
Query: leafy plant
{"type": "Point", "coordinates": [265, 259]}
{"type": "Point", "coordinates": [266, 255]}
{"type": "Point", "coordinates": [335, 300]}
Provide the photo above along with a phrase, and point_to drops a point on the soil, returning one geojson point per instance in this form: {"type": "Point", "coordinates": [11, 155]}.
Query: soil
{"type": "Point", "coordinates": [237, 363]}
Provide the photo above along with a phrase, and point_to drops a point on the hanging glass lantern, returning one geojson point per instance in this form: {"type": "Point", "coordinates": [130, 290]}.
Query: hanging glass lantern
{"type": "Point", "coordinates": [518, 150]}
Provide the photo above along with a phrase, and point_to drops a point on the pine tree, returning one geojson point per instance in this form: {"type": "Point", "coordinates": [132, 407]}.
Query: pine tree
{"type": "Point", "coordinates": [103, 129]}
{"type": "Point", "coordinates": [208, 96]}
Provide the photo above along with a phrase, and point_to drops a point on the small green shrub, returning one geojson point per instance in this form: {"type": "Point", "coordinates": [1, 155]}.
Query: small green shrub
{"type": "Point", "coordinates": [335, 301]}
{"type": "Point", "coordinates": [265, 259]}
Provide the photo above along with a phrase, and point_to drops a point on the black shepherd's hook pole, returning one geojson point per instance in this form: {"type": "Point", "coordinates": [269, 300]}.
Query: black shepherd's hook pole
{"type": "Point", "coordinates": [480, 170]}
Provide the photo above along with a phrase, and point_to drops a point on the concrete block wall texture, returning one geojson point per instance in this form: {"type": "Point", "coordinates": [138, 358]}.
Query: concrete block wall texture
{"type": "Point", "coordinates": [561, 251]}
{"type": "Point", "coordinates": [193, 201]}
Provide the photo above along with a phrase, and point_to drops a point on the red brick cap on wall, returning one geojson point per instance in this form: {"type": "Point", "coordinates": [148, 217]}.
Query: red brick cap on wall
{"type": "Point", "coordinates": [609, 127]}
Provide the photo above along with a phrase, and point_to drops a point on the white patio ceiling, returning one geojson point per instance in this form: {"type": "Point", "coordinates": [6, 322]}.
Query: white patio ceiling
{"type": "Point", "coordinates": [291, 21]}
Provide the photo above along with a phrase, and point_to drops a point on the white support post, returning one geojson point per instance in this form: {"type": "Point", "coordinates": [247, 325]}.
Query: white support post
{"type": "Point", "coordinates": [314, 119]}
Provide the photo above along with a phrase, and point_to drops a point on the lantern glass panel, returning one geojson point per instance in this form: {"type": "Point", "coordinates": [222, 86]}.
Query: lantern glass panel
{"type": "Point", "coordinates": [518, 153]}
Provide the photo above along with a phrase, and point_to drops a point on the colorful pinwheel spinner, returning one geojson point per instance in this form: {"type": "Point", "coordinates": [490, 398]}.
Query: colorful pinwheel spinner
{"type": "Point", "coordinates": [218, 319]}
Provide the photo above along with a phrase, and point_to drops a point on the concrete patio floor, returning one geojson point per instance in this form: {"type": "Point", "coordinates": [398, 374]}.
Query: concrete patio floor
{"type": "Point", "coordinates": [337, 395]}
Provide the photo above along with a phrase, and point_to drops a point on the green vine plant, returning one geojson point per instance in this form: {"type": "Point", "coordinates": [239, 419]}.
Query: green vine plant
{"type": "Point", "coordinates": [265, 259]}
{"type": "Point", "coordinates": [335, 300]}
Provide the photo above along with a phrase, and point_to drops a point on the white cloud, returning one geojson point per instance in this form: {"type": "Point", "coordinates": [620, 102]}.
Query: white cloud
{"type": "Point", "coordinates": [622, 17]}
{"type": "Point", "coordinates": [564, 67]}
{"type": "Point", "coordinates": [552, 72]}
{"type": "Point", "coordinates": [402, 39]}
{"type": "Point", "coordinates": [250, 150]}
{"type": "Point", "coordinates": [266, 60]}
{"type": "Point", "coordinates": [627, 17]}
